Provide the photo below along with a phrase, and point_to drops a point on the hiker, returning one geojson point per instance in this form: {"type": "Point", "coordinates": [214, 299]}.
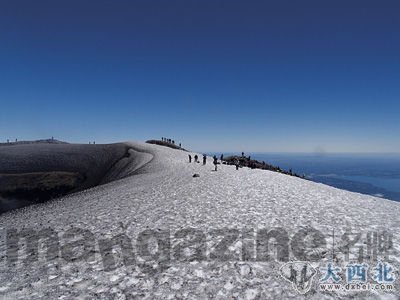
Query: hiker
{"type": "Point", "coordinates": [242, 154]}
{"type": "Point", "coordinates": [222, 157]}
{"type": "Point", "coordinates": [236, 164]}
{"type": "Point", "coordinates": [196, 158]}
{"type": "Point", "coordinates": [204, 159]}
{"type": "Point", "coordinates": [190, 158]}
{"type": "Point", "coordinates": [215, 162]}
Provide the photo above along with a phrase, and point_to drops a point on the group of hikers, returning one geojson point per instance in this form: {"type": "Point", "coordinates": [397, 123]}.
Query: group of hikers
{"type": "Point", "coordinates": [243, 161]}
{"type": "Point", "coordinates": [170, 141]}
{"type": "Point", "coordinates": [215, 160]}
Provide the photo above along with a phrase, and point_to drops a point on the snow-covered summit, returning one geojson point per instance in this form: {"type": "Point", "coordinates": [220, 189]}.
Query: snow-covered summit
{"type": "Point", "coordinates": [163, 196]}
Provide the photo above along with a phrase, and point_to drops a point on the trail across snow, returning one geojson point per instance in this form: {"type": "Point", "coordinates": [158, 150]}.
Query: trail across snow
{"type": "Point", "coordinates": [163, 195]}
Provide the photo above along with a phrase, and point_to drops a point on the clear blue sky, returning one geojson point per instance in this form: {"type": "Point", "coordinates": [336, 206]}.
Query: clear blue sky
{"type": "Point", "coordinates": [297, 76]}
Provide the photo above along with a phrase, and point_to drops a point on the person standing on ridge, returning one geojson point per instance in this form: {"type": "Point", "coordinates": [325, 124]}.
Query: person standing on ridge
{"type": "Point", "coordinates": [196, 158]}
{"type": "Point", "coordinates": [236, 162]}
{"type": "Point", "coordinates": [204, 159]}
{"type": "Point", "coordinates": [215, 162]}
{"type": "Point", "coordinates": [222, 158]}
{"type": "Point", "coordinates": [190, 158]}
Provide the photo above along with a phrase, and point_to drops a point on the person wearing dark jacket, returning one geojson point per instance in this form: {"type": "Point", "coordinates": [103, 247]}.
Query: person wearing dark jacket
{"type": "Point", "coordinates": [215, 162]}
{"type": "Point", "coordinates": [236, 162]}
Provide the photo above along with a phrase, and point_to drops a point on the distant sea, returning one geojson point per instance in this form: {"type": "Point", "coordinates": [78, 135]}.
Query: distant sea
{"type": "Point", "coordinates": [371, 174]}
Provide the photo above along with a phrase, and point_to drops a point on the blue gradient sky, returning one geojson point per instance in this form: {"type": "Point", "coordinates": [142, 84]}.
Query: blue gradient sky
{"type": "Point", "coordinates": [297, 76]}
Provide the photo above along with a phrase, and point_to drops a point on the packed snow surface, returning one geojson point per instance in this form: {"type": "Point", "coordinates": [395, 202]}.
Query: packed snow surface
{"type": "Point", "coordinates": [162, 195]}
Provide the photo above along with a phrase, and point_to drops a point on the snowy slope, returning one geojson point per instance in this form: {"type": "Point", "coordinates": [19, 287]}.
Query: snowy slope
{"type": "Point", "coordinates": [163, 195]}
